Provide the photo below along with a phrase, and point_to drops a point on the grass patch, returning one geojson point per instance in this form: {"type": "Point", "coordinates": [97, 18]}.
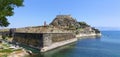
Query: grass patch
{"type": "Point", "coordinates": [17, 50]}
{"type": "Point", "coordinates": [6, 51]}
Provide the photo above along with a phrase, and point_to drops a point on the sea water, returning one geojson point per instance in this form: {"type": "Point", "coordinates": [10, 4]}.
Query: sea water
{"type": "Point", "coordinates": [106, 46]}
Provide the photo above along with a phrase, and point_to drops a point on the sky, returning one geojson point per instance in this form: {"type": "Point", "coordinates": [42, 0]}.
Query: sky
{"type": "Point", "coordinates": [97, 13]}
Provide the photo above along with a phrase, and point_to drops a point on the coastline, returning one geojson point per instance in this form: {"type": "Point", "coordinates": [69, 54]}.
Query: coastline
{"type": "Point", "coordinates": [62, 43]}
{"type": "Point", "coordinates": [23, 52]}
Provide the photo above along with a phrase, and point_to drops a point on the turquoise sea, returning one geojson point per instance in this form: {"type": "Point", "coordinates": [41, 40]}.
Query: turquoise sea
{"type": "Point", "coordinates": [106, 46]}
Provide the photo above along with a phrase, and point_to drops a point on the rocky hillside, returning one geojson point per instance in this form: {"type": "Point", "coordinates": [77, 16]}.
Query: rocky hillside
{"type": "Point", "coordinates": [64, 21]}
{"type": "Point", "coordinates": [69, 23]}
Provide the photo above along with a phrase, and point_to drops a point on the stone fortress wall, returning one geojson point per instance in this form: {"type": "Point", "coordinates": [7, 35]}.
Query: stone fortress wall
{"type": "Point", "coordinates": [41, 40]}
{"type": "Point", "coordinates": [63, 16]}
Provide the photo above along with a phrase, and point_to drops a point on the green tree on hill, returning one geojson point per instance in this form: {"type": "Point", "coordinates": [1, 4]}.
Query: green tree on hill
{"type": "Point", "coordinates": [6, 9]}
{"type": "Point", "coordinates": [83, 24]}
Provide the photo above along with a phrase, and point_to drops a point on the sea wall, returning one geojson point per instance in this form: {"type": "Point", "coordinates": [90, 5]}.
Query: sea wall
{"type": "Point", "coordinates": [58, 44]}
{"type": "Point", "coordinates": [44, 41]}
{"type": "Point", "coordinates": [87, 35]}
{"type": "Point", "coordinates": [54, 40]}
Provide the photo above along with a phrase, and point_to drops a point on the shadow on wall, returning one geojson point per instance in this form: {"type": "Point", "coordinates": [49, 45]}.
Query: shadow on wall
{"type": "Point", "coordinates": [54, 52]}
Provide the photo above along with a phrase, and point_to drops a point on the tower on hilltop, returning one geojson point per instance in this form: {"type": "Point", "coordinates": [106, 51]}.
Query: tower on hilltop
{"type": "Point", "coordinates": [45, 23]}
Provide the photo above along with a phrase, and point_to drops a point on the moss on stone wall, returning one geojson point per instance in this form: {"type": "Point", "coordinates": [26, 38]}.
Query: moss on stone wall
{"type": "Point", "coordinates": [28, 39]}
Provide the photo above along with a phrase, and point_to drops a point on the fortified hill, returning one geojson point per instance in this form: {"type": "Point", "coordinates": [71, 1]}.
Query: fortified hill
{"type": "Point", "coordinates": [61, 31]}
{"type": "Point", "coordinates": [64, 21]}
{"type": "Point", "coordinates": [68, 23]}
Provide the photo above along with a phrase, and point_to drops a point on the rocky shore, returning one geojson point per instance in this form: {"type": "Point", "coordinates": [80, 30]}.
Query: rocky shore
{"type": "Point", "coordinates": [22, 53]}
{"type": "Point", "coordinates": [12, 50]}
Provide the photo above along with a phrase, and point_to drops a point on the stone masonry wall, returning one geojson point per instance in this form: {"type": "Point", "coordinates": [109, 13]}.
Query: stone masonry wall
{"type": "Point", "coordinates": [40, 40]}
{"type": "Point", "coordinates": [31, 39]}
{"type": "Point", "coordinates": [50, 38]}
{"type": "Point", "coordinates": [57, 37]}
